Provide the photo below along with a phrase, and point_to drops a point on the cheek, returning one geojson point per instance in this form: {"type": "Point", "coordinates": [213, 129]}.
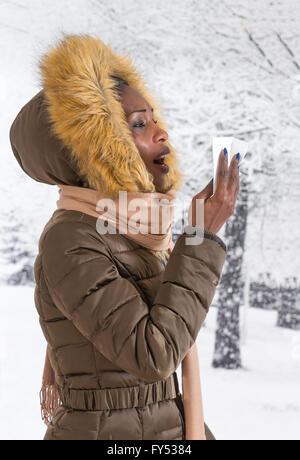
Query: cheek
{"type": "Point", "coordinates": [143, 145]}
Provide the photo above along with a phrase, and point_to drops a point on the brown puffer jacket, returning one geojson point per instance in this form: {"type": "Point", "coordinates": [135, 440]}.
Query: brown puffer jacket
{"type": "Point", "coordinates": [118, 322]}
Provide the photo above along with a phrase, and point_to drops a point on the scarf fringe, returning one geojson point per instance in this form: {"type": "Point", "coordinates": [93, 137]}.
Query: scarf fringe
{"type": "Point", "coordinates": [49, 401]}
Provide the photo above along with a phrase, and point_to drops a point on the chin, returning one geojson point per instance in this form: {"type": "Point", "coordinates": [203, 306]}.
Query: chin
{"type": "Point", "coordinates": [160, 183]}
{"type": "Point", "coordinates": [160, 187]}
{"type": "Point", "coordinates": [164, 186]}
{"type": "Point", "coordinates": [163, 189]}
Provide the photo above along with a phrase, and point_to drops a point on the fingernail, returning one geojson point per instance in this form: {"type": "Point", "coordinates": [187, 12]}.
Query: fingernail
{"type": "Point", "coordinates": [225, 151]}
{"type": "Point", "coordinates": [238, 156]}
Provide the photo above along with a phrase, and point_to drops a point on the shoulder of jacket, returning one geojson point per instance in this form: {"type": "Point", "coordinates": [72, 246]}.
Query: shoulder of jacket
{"type": "Point", "coordinates": [70, 230]}
{"type": "Point", "coordinates": [71, 249]}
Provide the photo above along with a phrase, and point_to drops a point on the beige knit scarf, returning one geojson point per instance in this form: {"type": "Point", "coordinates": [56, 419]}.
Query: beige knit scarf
{"type": "Point", "coordinates": [155, 215]}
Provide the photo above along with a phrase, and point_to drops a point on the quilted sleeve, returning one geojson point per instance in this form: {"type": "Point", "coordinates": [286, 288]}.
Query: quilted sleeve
{"type": "Point", "coordinates": [107, 309]}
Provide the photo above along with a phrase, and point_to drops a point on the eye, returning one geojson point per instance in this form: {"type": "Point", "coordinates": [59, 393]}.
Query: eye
{"type": "Point", "coordinates": [141, 124]}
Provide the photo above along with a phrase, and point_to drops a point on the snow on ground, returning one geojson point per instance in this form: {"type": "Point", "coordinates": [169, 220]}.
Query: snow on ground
{"type": "Point", "coordinates": [22, 355]}
{"type": "Point", "coordinates": [261, 401]}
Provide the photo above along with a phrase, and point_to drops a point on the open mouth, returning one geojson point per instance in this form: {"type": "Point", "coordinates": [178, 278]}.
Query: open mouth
{"type": "Point", "coordinates": [161, 165]}
{"type": "Point", "coordinates": [160, 161]}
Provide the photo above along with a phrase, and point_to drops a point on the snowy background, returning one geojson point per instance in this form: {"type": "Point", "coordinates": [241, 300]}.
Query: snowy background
{"type": "Point", "coordinates": [220, 68]}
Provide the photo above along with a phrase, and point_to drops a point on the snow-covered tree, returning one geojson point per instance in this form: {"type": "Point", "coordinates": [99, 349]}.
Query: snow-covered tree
{"type": "Point", "coordinates": [16, 250]}
{"type": "Point", "coordinates": [289, 311]}
{"type": "Point", "coordinates": [232, 285]}
{"type": "Point", "coordinates": [264, 292]}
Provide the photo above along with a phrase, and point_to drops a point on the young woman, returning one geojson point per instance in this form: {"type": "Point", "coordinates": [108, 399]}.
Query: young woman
{"type": "Point", "coordinates": [119, 311]}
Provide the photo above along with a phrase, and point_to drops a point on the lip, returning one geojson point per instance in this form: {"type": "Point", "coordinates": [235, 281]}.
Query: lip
{"type": "Point", "coordinates": [162, 167]}
{"type": "Point", "coordinates": [164, 152]}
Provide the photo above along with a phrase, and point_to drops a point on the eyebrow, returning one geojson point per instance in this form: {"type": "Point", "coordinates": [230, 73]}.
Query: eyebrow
{"type": "Point", "coordinates": [140, 110]}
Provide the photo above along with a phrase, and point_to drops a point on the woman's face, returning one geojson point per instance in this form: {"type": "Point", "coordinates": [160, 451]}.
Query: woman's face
{"type": "Point", "coordinates": [148, 136]}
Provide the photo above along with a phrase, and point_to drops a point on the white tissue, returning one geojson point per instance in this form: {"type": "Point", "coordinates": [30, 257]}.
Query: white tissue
{"type": "Point", "coordinates": [233, 147]}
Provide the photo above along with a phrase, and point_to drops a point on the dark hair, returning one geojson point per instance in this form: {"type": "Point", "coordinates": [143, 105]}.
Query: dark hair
{"type": "Point", "coordinates": [119, 82]}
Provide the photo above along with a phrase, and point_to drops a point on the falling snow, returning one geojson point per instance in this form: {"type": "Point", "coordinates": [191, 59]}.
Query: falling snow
{"type": "Point", "coordinates": [218, 68]}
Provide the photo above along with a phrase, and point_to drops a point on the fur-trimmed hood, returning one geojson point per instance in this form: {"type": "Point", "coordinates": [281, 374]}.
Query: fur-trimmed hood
{"type": "Point", "coordinates": [74, 131]}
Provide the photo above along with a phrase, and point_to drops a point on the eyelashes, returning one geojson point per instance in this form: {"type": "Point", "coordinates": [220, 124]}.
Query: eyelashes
{"type": "Point", "coordinates": [142, 124]}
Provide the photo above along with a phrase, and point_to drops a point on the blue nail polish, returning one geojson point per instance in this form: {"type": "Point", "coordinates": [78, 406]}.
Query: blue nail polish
{"type": "Point", "coordinates": [225, 151]}
{"type": "Point", "coordinates": [238, 156]}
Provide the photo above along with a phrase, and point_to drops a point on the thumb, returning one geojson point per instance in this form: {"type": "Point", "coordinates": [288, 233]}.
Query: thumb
{"type": "Point", "coordinates": [207, 191]}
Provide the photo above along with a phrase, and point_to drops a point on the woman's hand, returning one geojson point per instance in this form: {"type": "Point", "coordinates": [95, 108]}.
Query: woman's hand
{"type": "Point", "coordinates": [219, 207]}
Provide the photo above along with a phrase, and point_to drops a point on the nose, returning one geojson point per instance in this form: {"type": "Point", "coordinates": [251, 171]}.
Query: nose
{"type": "Point", "coordinates": [160, 135]}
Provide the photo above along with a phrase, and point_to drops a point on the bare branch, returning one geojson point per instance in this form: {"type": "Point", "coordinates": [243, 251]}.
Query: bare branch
{"type": "Point", "coordinates": [259, 48]}
{"type": "Point", "coordinates": [288, 50]}
{"type": "Point", "coordinates": [237, 133]}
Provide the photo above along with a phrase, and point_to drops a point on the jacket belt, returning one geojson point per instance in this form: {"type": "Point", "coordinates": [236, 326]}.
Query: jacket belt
{"type": "Point", "coordinates": [121, 397]}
